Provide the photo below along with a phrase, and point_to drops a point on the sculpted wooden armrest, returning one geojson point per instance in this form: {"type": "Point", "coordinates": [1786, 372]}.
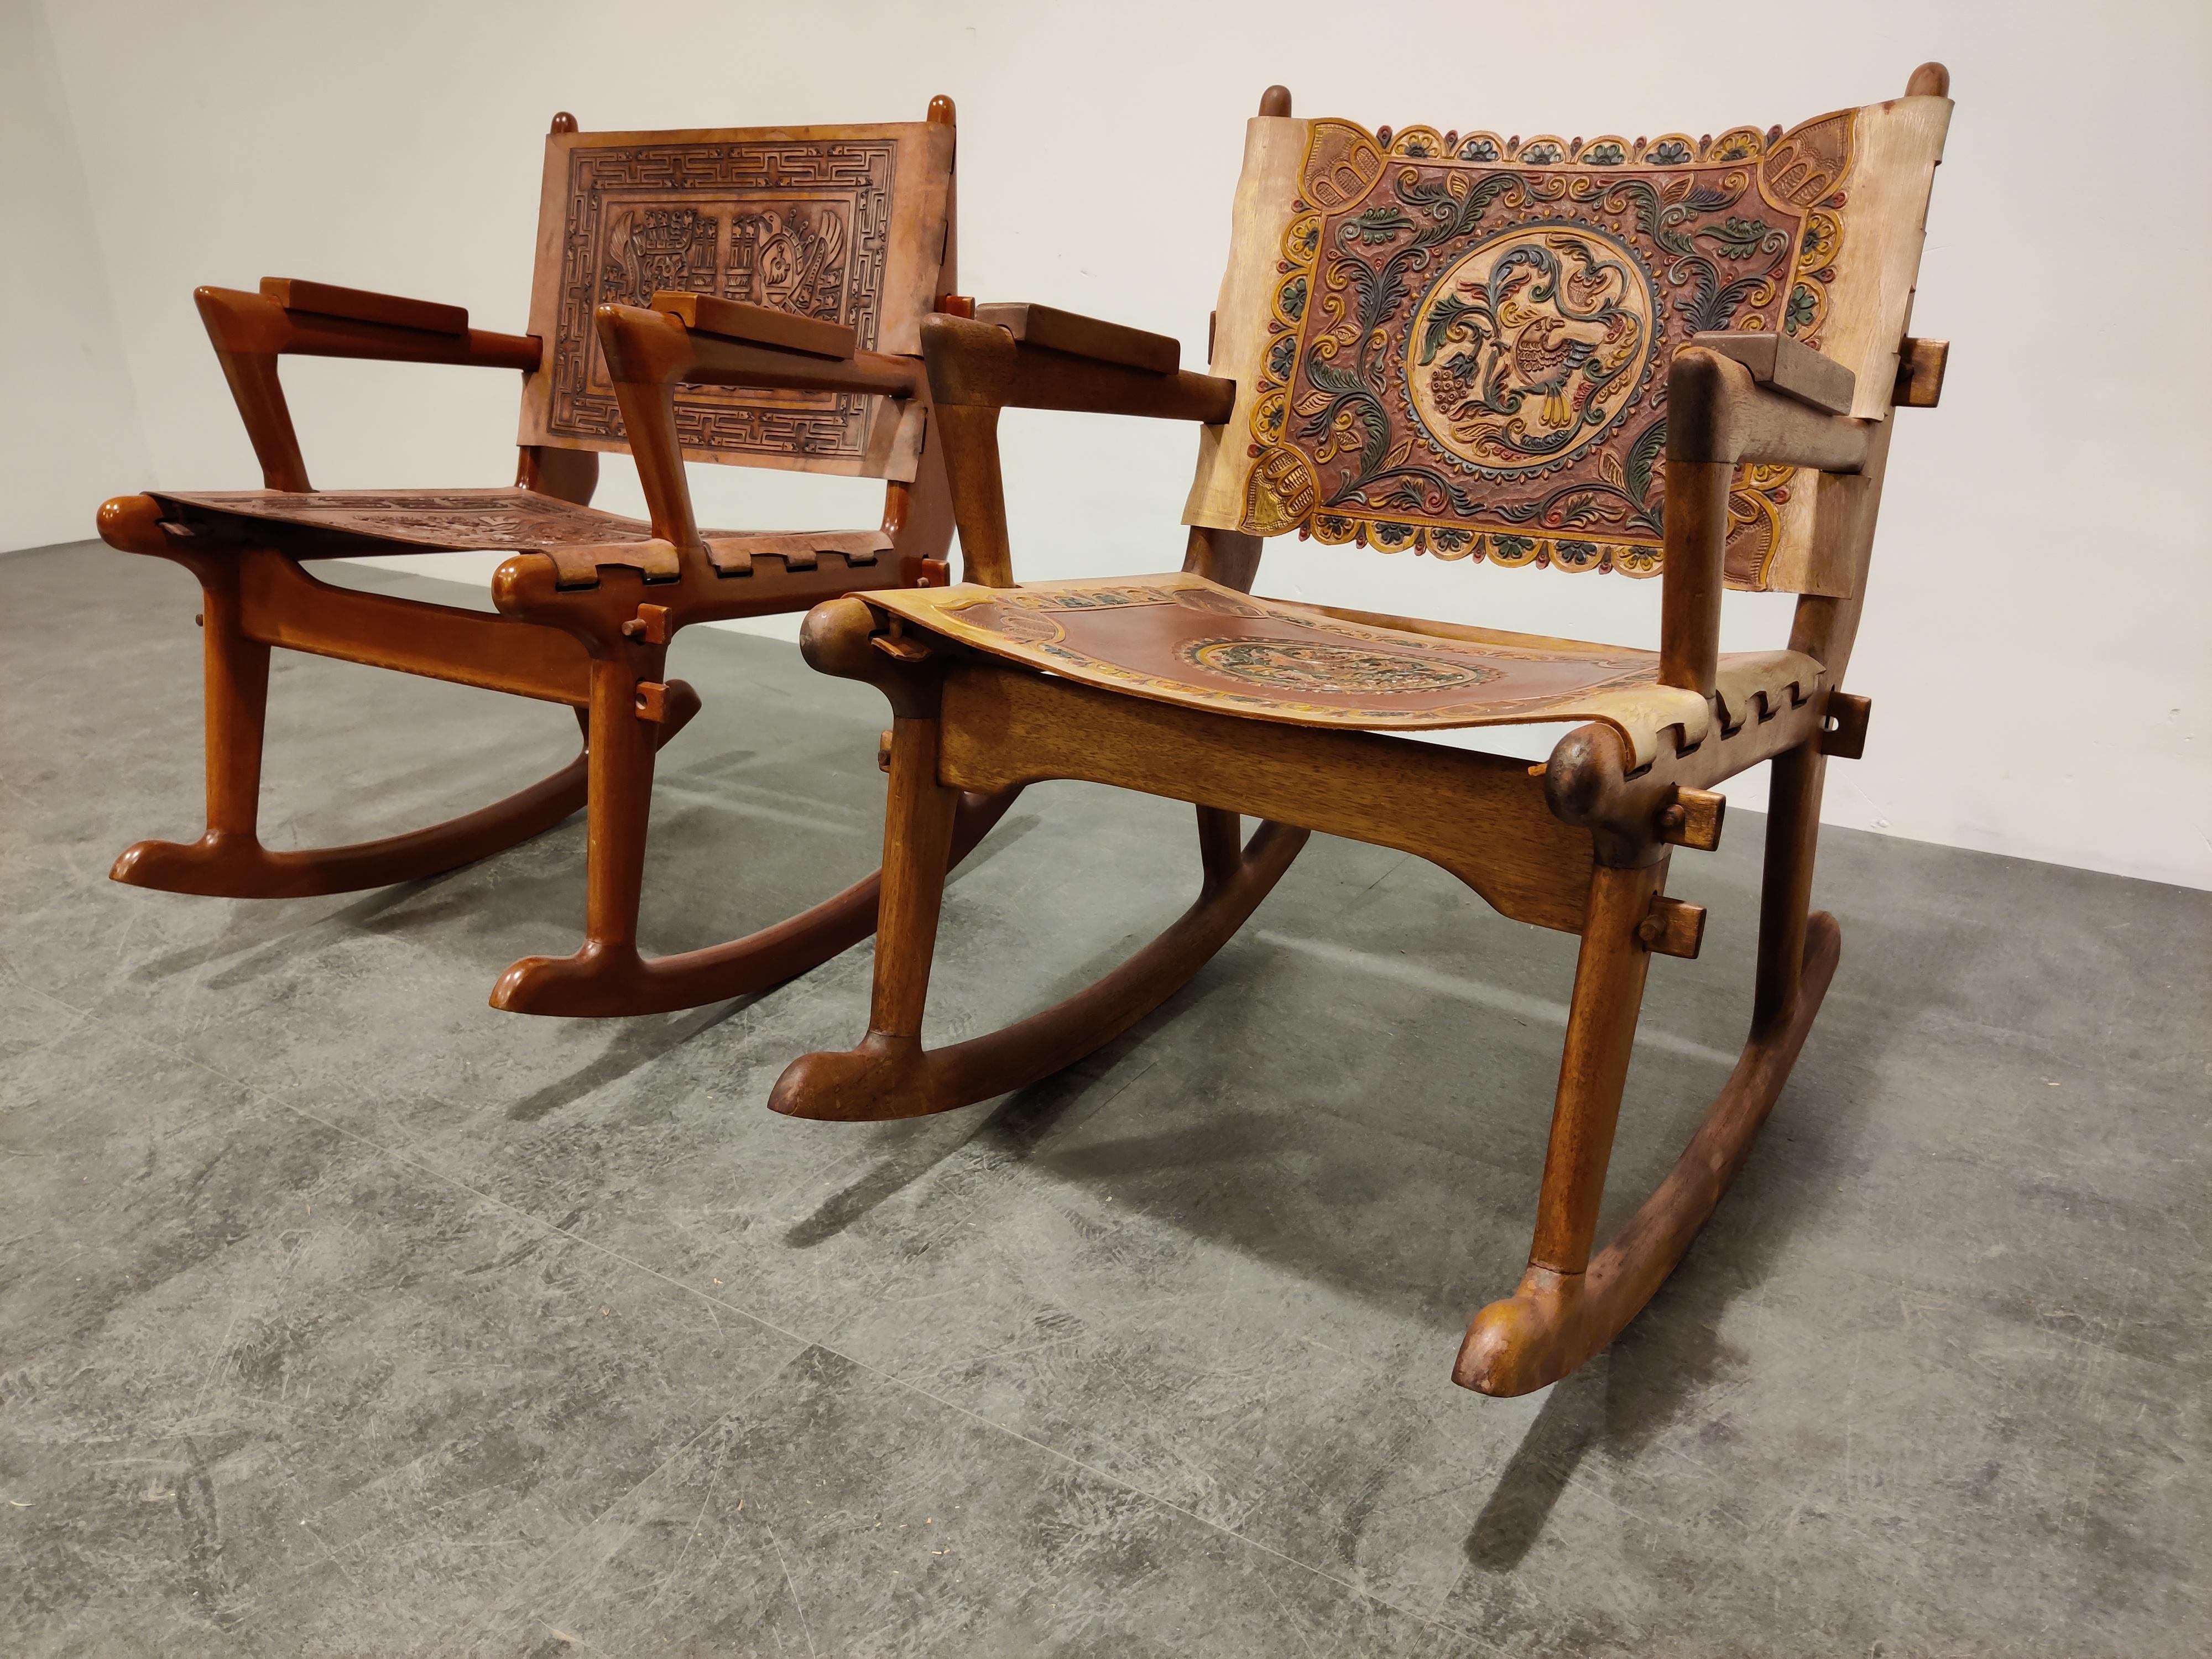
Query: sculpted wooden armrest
{"type": "Point", "coordinates": [290, 318]}
{"type": "Point", "coordinates": [700, 340]}
{"type": "Point", "coordinates": [1054, 330]}
{"type": "Point", "coordinates": [359, 306]}
{"type": "Point", "coordinates": [1719, 411]}
{"type": "Point", "coordinates": [738, 320]}
{"type": "Point", "coordinates": [982, 364]}
{"type": "Point", "coordinates": [1784, 365]}
{"type": "Point", "coordinates": [1720, 416]}
{"type": "Point", "coordinates": [373, 325]}
{"type": "Point", "coordinates": [660, 347]}
{"type": "Point", "coordinates": [978, 367]}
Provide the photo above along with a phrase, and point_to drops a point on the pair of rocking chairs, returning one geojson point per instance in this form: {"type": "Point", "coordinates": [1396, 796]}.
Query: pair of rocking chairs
{"type": "Point", "coordinates": [1454, 343]}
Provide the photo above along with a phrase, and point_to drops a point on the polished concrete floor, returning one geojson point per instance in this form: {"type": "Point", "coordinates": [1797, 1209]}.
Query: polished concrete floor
{"type": "Point", "coordinates": [339, 1314]}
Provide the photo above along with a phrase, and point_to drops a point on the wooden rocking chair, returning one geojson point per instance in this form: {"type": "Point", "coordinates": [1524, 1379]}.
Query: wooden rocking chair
{"type": "Point", "coordinates": [1475, 347]}
{"type": "Point", "coordinates": [790, 269]}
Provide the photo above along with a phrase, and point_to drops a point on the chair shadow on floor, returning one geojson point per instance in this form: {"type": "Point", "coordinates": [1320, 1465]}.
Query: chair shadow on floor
{"type": "Point", "coordinates": [1618, 1404]}
{"type": "Point", "coordinates": [1670, 1361]}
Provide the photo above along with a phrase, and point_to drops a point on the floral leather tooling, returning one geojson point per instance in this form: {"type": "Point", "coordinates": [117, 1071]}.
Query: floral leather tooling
{"type": "Point", "coordinates": [1461, 348]}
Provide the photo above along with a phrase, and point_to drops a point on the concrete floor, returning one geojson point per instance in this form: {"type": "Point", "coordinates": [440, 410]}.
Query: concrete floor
{"type": "Point", "coordinates": [339, 1314]}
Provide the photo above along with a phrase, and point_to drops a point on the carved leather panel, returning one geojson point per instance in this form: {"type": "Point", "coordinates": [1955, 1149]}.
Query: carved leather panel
{"type": "Point", "coordinates": [1458, 344]}
{"type": "Point", "coordinates": [834, 224]}
{"type": "Point", "coordinates": [1468, 350]}
{"type": "Point", "coordinates": [1185, 639]}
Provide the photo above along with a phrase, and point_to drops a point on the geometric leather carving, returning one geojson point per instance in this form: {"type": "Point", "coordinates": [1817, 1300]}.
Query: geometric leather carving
{"type": "Point", "coordinates": [1458, 344]}
{"type": "Point", "coordinates": [842, 224]}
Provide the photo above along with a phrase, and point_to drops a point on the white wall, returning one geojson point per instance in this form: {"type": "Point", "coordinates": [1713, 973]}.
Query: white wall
{"type": "Point", "coordinates": [2035, 638]}
{"type": "Point", "coordinates": [69, 434]}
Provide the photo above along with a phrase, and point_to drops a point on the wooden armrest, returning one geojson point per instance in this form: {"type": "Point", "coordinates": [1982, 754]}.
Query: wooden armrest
{"type": "Point", "coordinates": [1084, 337]}
{"type": "Point", "coordinates": [980, 365]}
{"type": "Point", "coordinates": [1788, 367]}
{"type": "Point", "coordinates": [262, 323]}
{"type": "Point", "coordinates": [359, 306]}
{"type": "Point", "coordinates": [658, 348]}
{"type": "Point", "coordinates": [1718, 412]}
{"type": "Point", "coordinates": [738, 320]}
{"type": "Point", "coordinates": [290, 318]}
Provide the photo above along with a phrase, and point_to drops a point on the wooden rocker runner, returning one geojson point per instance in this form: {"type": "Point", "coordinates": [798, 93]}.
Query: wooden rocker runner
{"type": "Point", "coordinates": [781, 277]}
{"type": "Point", "coordinates": [1473, 347]}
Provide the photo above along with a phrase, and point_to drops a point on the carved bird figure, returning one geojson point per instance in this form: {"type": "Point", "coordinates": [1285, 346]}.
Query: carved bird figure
{"type": "Point", "coordinates": [1545, 363]}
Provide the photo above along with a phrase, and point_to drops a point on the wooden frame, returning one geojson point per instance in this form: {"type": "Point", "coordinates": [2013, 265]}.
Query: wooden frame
{"type": "Point", "coordinates": [1582, 843]}
{"type": "Point", "coordinates": [588, 602]}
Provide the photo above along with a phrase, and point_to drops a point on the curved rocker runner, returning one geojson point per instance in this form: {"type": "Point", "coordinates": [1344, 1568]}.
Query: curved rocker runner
{"type": "Point", "coordinates": [815, 368]}
{"type": "Point", "coordinates": [1511, 281]}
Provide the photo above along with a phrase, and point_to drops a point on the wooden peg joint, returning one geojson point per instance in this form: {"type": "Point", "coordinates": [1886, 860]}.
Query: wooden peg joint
{"type": "Point", "coordinates": [883, 751]}
{"type": "Point", "coordinates": [650, 625]}
{"type": "Point", "coordinates": [652, 701]}
{"type": "Point", "coordinates": [1693, 818]}
{"type": "Point", "coordinates": [1920, 365]}
{"type": "Point", "coordinates": [1844, 727]}
{"type": "Point", "coordinates": [1673, 928]}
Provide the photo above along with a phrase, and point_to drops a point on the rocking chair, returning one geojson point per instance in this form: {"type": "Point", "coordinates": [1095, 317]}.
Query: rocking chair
{"type": "Point", "coordinates": [1478, 348]}
{"type": "Point", "coordinates": [791, 270]}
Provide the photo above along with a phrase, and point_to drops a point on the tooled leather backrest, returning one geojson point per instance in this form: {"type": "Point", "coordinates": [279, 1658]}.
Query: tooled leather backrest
{"type": "Point", "coordinates": [848, 224]}
{"type": "Point", "coordinates": [1458, 344]}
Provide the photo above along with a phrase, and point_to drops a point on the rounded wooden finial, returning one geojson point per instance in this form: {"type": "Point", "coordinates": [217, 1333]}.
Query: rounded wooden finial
{"type": "Point", "coordinates": [564, 121]}
{"type": "Point", "coordinates": [940, 111]}
{"type": "Point", "coordinates": [1928, 80]}
{"type": "Point", "coordinates": [1276, 101]}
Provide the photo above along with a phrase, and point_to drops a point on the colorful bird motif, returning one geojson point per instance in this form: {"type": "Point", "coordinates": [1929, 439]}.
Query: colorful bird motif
{"type": "Point", "coordinates": [1545, 356]}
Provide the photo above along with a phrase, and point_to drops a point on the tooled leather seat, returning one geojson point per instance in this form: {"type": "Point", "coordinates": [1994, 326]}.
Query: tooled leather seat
{"type": "Point", "coordinates": [1183, 639]}
{"type": "Point", "coordinates": [578, 539]}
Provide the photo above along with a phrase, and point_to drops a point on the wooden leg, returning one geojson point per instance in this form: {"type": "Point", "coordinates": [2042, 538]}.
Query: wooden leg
{"type": "Point", "coordinates": [237, 695]}
{"type": "Point", "coordinates": [890, 1074]}
{"type": "Point", "coordinates": [1793, 832]}
{"type": "Point", "coordinates": [609, 977]}
{"type": "Point", "coordinates": [228, 860]}
{"type": "Point", "coordinates": [1601, 1019]}
{"type": "Point", "coordinates": [1570, 1305]}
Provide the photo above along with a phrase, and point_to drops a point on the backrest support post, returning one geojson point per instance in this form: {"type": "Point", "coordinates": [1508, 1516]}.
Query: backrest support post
{"type": "Point", "coordinates": [1826, 626]}
{"type": "Point", "coordinates": [568, 475]}
{"type": "Point", "coordinates": [1231, 557]}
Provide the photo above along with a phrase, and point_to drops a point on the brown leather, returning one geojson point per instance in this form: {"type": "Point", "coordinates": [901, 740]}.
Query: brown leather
{"type": "Point", "coordinates": [1184, 639]}
{"type": "Point", "coordinates": [579, 540]}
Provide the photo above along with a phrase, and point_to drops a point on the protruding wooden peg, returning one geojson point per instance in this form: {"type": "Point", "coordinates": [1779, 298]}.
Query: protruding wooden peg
{"type": "Point", "coordinates": [1844, 727]}
{"type": "Point", "coordinates": [650, 625]}
{"type": "Point", "coordinates": [1693, 819]}
{"type": "Point", "coordinates": [652, 701]}
{"type": "Point", "coordinates": [883, 751]}
{"type": "Point", "coordinates": [564, 121]}
{"type": "Point", "coordinates": [1920, 365]}
{"type": "Point", "coordinates": [1928, 80]}
{"type": "Point", "coordinates": [1674, 928]}
{"type": "Point", "coordinates": [941, 112]}
{"type": "Point", "coordinates": [1276, 101]}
